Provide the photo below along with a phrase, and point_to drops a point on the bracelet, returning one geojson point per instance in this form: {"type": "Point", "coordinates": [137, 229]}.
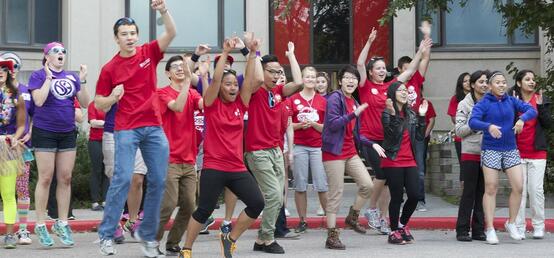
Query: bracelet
{"type": "Point", "coordinates": [244, 51]}
{"type": "Point", "coordinates": [258, 53]}
{"type": "Point", "coordinates": [194, 57]}
{"type": "Point", "coordinates": [84, 81]}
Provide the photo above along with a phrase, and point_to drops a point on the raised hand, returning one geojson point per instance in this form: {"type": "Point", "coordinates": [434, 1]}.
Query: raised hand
{"type": "Point", "coordinates": [379, 150]}
{"type": "Point", "coordinates": [425, 29]}
{"type": "Point", "coordinates": [83, 71]}
{"type": "Point", "coordinates": [202, 49]}
{"type": "Point", "coordinates": [186, 68]}
{"type": "Point", "coordinates": [228, 45]}
{"type": "Point", "coordinates": [539, 97]}
{"type": "Point", "coordinates": [495, 131]}
{"type": "Point", "coordinates": [290, 50]}
{"type": "Point", "coordinates": [47, 70]}
{"type": "Point", "coordinates": [360, 109]}
{"type": "Point", "coordinates": [118, 92]}
{"type": "Point", "coordinates": [248, 38]}
{"type": "Point", "coordinates": [239, 43]}
{"type": "Point", "coordinates": [389, 106]}
{"type": "Point", "coordinates": [518, 127]}
{"type": "Point", "coordinates": [255, 44]}
{"type": "Point", "coordinates": [372, 35]}
{"type": "Point", "coordinates": [423, 107]}
{"type": "Point", "coordinates": [425, 44]}
{"type": "Point", "coordinates": [204, 67]}
{"type": "Point", "coordinates": [158, 5]}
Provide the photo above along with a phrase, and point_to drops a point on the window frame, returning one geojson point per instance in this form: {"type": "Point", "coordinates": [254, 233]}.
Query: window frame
{"type": "Point", "coordinates": [172, 49]}
{"type": "Point", "coordinates": [329, 68]}
{"type": "Point", "coordinates": [441, 46]}
{"type": "Point", "coordinates": [33, 45]}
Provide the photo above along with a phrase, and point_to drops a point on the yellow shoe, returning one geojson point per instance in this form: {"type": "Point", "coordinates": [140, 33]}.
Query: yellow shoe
{"type": "Point", "coordinates": [185, 253]}
{"type": "Point", "coordinates": [228, 246]}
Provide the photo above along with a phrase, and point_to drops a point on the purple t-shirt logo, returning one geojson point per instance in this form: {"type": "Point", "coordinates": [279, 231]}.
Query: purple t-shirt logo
{"type": "Point", "coordinates": [62, 88]}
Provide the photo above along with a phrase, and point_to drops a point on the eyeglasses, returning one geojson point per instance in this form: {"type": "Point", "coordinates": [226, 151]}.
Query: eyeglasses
{"type": "Point", "coordinates": [231, 71]}
{"type": "Point", "coordinates": [350, 78]}
{"type": "Point", "coordinates": [402, 90]}
{"type": "Point", "coordinates": [57, 50]}
{"type": "Point", "coordinates": [176, 66]}
{"type": "Point", "coordinates": [124, 21]}
{"type": "Point", "coordinates": [275, 72]}
{"type": "Point", "coordinates": [271, 100]}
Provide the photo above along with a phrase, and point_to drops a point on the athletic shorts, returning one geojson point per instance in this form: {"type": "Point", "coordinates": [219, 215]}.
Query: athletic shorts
{"type": "Point", "coordinates": [500, 160]}
{"type": "Point", "coordinates": [47, 141]}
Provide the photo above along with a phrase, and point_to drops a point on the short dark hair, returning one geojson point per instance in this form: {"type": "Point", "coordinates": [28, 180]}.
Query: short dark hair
{"type": "Point", "coordinates": [172, 60]}
{"type": "Point", "coordinates": [124, 21]}
{"type": "Point", "coordinates": [404, 60]}
{"type": "Point", "coordinates": [348, 69]}
{"type": "Point", "coordinates": [269, 58]}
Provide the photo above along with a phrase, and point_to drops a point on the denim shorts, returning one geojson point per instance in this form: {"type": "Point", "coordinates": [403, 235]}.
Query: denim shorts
{"type": "Point", "coordinates": [47, 141]}
{"type": "Point", "coordinates": [308, 159]}
{"type": "Point", "coordinates": [500, 160]}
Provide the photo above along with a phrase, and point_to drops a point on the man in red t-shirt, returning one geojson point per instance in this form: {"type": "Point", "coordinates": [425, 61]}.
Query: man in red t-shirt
{"type": "Point", "coordinates": [178, 102]}
{"type": "Point", "coordinates": [263, 138]}
{"type": "Point", "coordinates": [129, 80]}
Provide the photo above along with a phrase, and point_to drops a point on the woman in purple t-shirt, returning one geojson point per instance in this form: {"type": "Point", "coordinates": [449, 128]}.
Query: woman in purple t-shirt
{"type": "Point", "coordinates": [12, 124]}
{"type": "Point", "coordinates": [54, 136]}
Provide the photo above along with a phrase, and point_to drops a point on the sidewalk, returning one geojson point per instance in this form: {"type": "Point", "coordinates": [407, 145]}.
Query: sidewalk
{"type": "Point", "coordinates": [439, 214]}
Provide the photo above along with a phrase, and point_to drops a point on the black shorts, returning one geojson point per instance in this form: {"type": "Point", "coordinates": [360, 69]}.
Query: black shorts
{"type": "Point", "coordinates": [372, 159]}
{"type": "Point", "coordinates": [47, 141]}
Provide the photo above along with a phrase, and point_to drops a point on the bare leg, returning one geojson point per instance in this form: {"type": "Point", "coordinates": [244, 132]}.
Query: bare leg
{"type": "Point", "coordinates": [45, 166]}
{"type": "Point", "coordinates": [384, 201]}
{"type": "Point", "coordinates": [322, 199]}
{"type": "Point", "coordinates": [135, 196]}
{"type": "Point", "coordinates": [489, 199]}
{"type": "Point", "coordinates": [193, 229]}
{"type": "Point", "coordinates": [301, 200]}
{"type": "Point", "coordinates": [515, 176]}
{"type": "Point", "coordinates": [230, 203]}
{"type": "Point", "coordinates": [64, 168]}
{"type": "Point", "coordinates": [378, 187]}
{"type": "Point", "coordinates": [243, 223]}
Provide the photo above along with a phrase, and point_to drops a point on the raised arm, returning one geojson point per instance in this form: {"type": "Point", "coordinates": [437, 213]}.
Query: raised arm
{"type": "Point", "coordinates": [213, 91]}
{"type": "Point", "coordinates": [360, 65]}
{"type": "Point", "coordinates": [252, 79]}
{"type": "Point", "coordinates": [200, 50]}
{"type": "Point", "coordinates": [170, 31]}
{"type": "Point", "coordinates": [82, 95]}
{"type": "Point", "coordinates": [178, 104]}
{"type": "Point", "coordinates": [426, 57]}
{"type": "Point", "coordinates": [293, 87]}
{"type": "Point", "coordinates": [423, 47]}
{"type": "Point", "coordinates": [40, 95]}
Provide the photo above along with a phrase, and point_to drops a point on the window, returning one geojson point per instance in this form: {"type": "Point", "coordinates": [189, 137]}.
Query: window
{"type": "Point", "coordinates": [29, 23]}
{"type": "Point", "coordinates": [327, 34]}
{"type": "Point", "coordinates": [477, 24]}
{"type": "Point", "coordinates": [198, 21]}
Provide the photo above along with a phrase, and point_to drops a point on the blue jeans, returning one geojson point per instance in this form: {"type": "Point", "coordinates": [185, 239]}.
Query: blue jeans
{"type": "Point", "coordinates": [421, 157]}
{"type": "Point", "coordinates": [155, 151]}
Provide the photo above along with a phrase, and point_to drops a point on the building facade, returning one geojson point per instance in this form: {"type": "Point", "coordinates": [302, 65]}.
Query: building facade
{"type": "Point", "coordinates": [328, 34]}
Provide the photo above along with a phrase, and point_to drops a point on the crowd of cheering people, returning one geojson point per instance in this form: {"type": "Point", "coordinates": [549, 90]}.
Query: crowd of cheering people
{"type": "Point", "coordinates": [183, 145]}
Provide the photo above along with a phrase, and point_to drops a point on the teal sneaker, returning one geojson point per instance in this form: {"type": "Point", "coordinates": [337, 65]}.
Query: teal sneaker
{"type": "Point", "coordinates": [63, 232]}
{"type": "Point", "coordinates": [43, 237]}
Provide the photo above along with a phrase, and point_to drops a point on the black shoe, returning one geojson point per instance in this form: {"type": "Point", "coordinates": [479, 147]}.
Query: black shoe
{"type": "Point", "coordinates": [274, 248]}
{"type": "Point", "coordinates": [463, 238]}
{"type": "Point", "coordinates": [172, 250]}
{"type": "Point", "coordinates": [479, 237]}
{"type": "Point", "coordinates": [258, 247]}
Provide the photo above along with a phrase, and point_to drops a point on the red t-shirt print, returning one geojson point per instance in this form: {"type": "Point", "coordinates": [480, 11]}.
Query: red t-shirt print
{"type": "Point", "coordinates": [307, 110]}
{"type": "Point", "coordinates": [179, 127]}
{"type": "Point", "coordinates": [264, 119]}
{"type": "Point", "coordinates": [348, 146]}
{"type": "Point", "coordinates": [224, 124]}
{"type": "Point", "coordinates": [414, 90]}
{"type": "Point", "coordinates": [137, 74]}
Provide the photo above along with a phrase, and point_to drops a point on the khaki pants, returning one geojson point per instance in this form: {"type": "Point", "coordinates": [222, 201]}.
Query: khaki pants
{"type": "Point", "coordinates": [533, 181]}
{"type": "Point", "coordinates": [268, 167]}
{"type": "Point", "coordinates": [180, 190]}
{"type": "Point", "coordinates": [335, 170]}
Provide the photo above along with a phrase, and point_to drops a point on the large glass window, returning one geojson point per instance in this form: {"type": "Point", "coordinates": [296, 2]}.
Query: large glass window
{"type": "Point", "coordinates": [198, 21]}
{"type": "Point", "coordinates": [477, 23]}
{"type": "Point", "coordinates": [29, 23]}
{"type": "Point", "coordinates": [331, 21]}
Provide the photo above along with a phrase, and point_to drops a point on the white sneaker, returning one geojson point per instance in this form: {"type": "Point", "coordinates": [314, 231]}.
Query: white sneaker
{"type": "Point", "coordinates": [106, 247]}
{"type": "Point", "coordinates": [287, 213]}
{"type": "Point", "coordinates": [538, 233]}
{"type": "Point", "coordinates": [320, 212]}
{"type": "Point", "coordinates": [521, 231]}
{"type": "Point", "coordinates": [372, 216]}
{"type": "Point", "coordinates": [492, 239]}
{"type": "Point", "coordinates": [512, 229]}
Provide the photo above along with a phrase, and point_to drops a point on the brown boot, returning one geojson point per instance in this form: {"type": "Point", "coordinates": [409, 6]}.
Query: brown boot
{"type": "Point", "coordinates": [333, 241]}
{"type": "Point", "coordinates": [351, 221]}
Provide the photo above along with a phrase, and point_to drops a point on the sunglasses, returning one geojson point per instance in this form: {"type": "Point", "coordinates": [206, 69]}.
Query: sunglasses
{"type": "Point", "coordinates": [271, 100]}
{"type": "Point", "coordinates": [125, 21]}
{"type": "Point", "coordinates": [57, 50]}
{"type": "Point", "coordinates": [231, 71]}
{"type": "Point", "coordinates": [375, 58]}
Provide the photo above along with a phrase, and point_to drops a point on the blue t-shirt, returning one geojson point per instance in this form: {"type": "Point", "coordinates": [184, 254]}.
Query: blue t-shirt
{"type": "Point", "coordinates": [57, 114]}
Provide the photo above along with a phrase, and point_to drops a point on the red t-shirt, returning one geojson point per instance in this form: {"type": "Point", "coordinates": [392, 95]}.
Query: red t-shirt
{"type": "Point", "coordinates": [471, 157]}
{"type": "Point", "coordinates": [179, 126]}
{"type": "Point", "coordinates": [95, 134]}
{"type": "Point", "coordinates": [264, 121]}
{"type": "Point", "coordinates": [414, 90]}
{"type": "Point", "coordinates": [348, 146]}
{"type": "Point", "coordinates": [137, 74]}
{"type": "Point", "coordinates": [404, 158]}
{"type": "Point", "coordinates": [375, 96]}
{"type": "Point", "coordinates": [452, 106]}
{"type": "Point", "coordinates": [430, 112]}
{"type": "Point", "coordinates": [526, 139]}
{"type": "Point", "coordinates": [224, 127]}
{"type": "Point", "coordinates": [199, 126]}
{"type": "Point", "coordinates": [304, 110]}
{"type": "Point", "coordinates": [286, 112]}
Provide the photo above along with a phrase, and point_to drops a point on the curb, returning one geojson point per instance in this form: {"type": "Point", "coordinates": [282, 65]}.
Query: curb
{"type": "Point", "coordinates": [426, 223]}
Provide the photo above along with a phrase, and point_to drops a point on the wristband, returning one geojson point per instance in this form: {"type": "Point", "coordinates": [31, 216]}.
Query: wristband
{"type": "Point", "coordinates": [244, 51]}
{"type": "Point", "coordinates": [258, 53]}
{"type": "Point", "coordinates": [195, 57]}
{"type": "Point", "coordinates": [84, 81]}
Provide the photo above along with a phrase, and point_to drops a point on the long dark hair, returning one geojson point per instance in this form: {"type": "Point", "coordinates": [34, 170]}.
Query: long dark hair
{"type": "Point", "coordinates": [391, 94]}
{"type": "Point", "coordinates": [10, 85]}
{"type": "Point", "coordinates": [460, 87]}
{"type": "Point", "coordinates": [473, 79]}
{"type": "Point", "coordinates": [519, 78]}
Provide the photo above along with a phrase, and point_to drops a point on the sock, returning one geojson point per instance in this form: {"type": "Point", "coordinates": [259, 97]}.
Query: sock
{"type": "Point", "coordinates": [226, 222]}
{"type": "Point", "coordinates": [400, 225]}
{"type": "Point", "coordinates": [23, 212]}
